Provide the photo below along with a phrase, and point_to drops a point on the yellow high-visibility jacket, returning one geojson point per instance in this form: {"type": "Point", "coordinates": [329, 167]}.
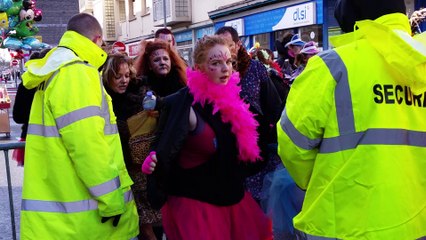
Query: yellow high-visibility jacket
{"type": "Point", "coordinates": [74, 168]}
{"type": "Point", "coordinates": [353, 134]}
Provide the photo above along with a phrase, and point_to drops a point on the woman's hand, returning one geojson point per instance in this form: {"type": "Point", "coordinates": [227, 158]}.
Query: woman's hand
{"type": "Point", "coordinates": [149, 163]}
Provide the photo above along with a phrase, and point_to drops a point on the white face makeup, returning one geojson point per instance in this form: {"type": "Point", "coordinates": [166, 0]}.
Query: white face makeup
{"type": "Point", "coordinates": [160, 63]}
{"type": "Point", "coordinates": [120, 82]}
{"type": "Point", "coordinates": [218, 64]}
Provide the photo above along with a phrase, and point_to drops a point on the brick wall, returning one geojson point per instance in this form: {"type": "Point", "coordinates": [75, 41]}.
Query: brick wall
{"type": "Point", "coordinates": [55, 18]}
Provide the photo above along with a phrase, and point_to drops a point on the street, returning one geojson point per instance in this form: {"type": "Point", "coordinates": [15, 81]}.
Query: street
{"type": "Point", "coordinates": [17, 174]}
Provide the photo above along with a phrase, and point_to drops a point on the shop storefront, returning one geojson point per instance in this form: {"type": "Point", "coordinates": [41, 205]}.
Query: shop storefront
{"type": "Point", "coordinates": [205, 31]}
{"type": "Point", "coordinates": [184, 45]}
{"type": "Point", "coordinates": [133, 49]}
{"type": "Point", "coordinates": [265, 27]}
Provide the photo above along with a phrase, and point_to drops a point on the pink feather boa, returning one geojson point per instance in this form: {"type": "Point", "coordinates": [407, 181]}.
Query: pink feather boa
{"type": "Point", "coordinates": [226, 99]}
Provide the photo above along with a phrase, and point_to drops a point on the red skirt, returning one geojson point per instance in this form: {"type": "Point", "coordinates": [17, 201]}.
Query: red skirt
{"type": "Point", "coordinates": [186, 219]}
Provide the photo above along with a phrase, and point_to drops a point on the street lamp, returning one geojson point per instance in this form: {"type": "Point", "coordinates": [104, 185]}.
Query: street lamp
{"type": "Point", "coordinates": [164, 13]}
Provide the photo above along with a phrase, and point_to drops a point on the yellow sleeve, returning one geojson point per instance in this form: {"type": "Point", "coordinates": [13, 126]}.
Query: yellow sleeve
{"type": "Point", "coordinates": [78, 107]}
{"type": "Point", "coordinates": [302, 122]}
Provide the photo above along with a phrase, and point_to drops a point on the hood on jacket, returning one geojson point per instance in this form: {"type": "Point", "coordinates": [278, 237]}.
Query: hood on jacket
{"type": "Point", "coordinates": [347, 12]}
{"type": "Point", "coordinates": [390, 36]}
{"type": "Point", "coordinates": [72, 47]}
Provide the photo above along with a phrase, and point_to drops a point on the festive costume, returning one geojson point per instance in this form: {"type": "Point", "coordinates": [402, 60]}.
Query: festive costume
{"type": "Point", "coordinates": [208, 182]}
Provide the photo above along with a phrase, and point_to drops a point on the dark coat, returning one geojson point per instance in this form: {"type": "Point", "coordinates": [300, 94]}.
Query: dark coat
{"type": "Point", "coordinates": [219, 181]}
{"type": "Point", "coordinates": [22, 107]}
{"type": "Point", "coordinates": [259, 91]}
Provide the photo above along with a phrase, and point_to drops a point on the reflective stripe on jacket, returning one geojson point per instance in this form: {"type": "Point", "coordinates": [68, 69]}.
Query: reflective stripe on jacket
{"type": "Point", "coordinates": [353, 134]}
{"type": "Point", "coordinates": [74, 173]}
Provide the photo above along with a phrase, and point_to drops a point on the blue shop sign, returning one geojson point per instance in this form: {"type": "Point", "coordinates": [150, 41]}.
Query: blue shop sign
{"type": "Point", "coordinates": [320, 11]}
{"type": "Point", "coordinates": [207, 31]}
{"type": "Point", "coordinates": [183, 36]}
{"type": "Point", "coordinates": [304, 14]}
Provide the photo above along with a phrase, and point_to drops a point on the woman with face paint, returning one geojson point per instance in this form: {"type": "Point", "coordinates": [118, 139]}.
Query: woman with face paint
{"type": "Point", "coordinates": [207, 139]}
{"type": "Point", "coordinates": [159, 69]}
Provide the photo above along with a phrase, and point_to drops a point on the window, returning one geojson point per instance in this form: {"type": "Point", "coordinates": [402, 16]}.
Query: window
{"type": "Point", "coordinates": [312, 33]}
{"type": "Point", "coordinates": [131, 9]}
{"type": "Point", "coordinates": [146, 7]}
{"type": "Point", "coordinates": [122, 10]}
{"type": "Point", "coordinates": [262, 39]}
{"type": "Point", "coordinates": [109, 19]}
{"type": "Point", "coordinates": [279, 35]}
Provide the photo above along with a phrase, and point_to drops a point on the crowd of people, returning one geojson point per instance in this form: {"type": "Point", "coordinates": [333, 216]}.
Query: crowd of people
{"type": "Point", "coordinates": [244, 146]}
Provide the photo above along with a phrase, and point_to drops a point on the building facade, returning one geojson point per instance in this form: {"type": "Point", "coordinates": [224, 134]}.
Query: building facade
{"type": "Point", "coordinates": [55, 18]}
{"type": "Point", "coordinates": [262, 21]}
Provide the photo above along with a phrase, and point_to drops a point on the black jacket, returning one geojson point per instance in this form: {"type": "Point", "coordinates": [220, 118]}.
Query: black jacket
{"type": "Point", "coordinates": [219, 181]}
{"type": "Point", "coordinates": [22, 107]}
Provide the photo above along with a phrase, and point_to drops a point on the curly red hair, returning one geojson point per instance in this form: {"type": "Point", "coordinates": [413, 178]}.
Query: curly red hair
{"type": "Point", "coordinates": [147, 48]}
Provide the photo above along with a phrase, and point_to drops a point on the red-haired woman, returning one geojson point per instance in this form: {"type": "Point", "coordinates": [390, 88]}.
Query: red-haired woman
{"type": "Point", "coordinates": [159, 69]}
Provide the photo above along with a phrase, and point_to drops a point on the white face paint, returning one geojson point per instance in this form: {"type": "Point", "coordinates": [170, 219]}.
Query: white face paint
{"type": "Point", "coordinates": [160, 63]}
{"type": "Point", "coordinates": [218, 64]}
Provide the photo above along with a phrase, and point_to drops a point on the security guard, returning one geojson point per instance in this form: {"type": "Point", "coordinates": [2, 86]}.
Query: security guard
{"type": "Point", "coordinates": [353, 133]}
{"type": "Point", "coordinates": [75, 182]}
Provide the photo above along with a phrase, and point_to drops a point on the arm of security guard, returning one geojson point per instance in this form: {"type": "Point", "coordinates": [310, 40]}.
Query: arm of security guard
{"type": "Point", "coordinates": [302, 122]}
{"type": "Point", "coordinates": [76, 103]}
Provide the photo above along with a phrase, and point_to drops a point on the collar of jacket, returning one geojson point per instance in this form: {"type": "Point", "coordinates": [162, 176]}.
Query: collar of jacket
{"type": "Point", "coordinates": [72, 47]}
{"type": "Point", "coordinates": [84, 48]}
{"type": "Point", "coordinates": [390, 36]}
{"type": "Point", "coordinates": [394, 21]}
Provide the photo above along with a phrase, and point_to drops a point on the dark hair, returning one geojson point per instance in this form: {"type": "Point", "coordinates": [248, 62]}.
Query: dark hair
{"type": "Point", "coordinates": [243, 58]}
{"type": "Point", "coordinates": [260, 56]}
{"type": "Point", "coordinates": [112, 67]}
{"type": "Point", "coordinates": [38, 55]}
{"type": "Point", "coordinates": [142, 63]}
{"type": "Point", "coordinates": [162, 31]}
{"type": "Point", "coordinates": [347, 12]}
{"type": "Point", "coordinates": [230, 30]}
{"type": "Point", "coordinates": [165, 31]}
{"type": "Point", "coordinates": [85, 24]}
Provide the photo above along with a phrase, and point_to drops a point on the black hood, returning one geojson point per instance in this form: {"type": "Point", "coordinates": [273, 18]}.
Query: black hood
{"type": "Point", "coordinates": [347, 12]}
